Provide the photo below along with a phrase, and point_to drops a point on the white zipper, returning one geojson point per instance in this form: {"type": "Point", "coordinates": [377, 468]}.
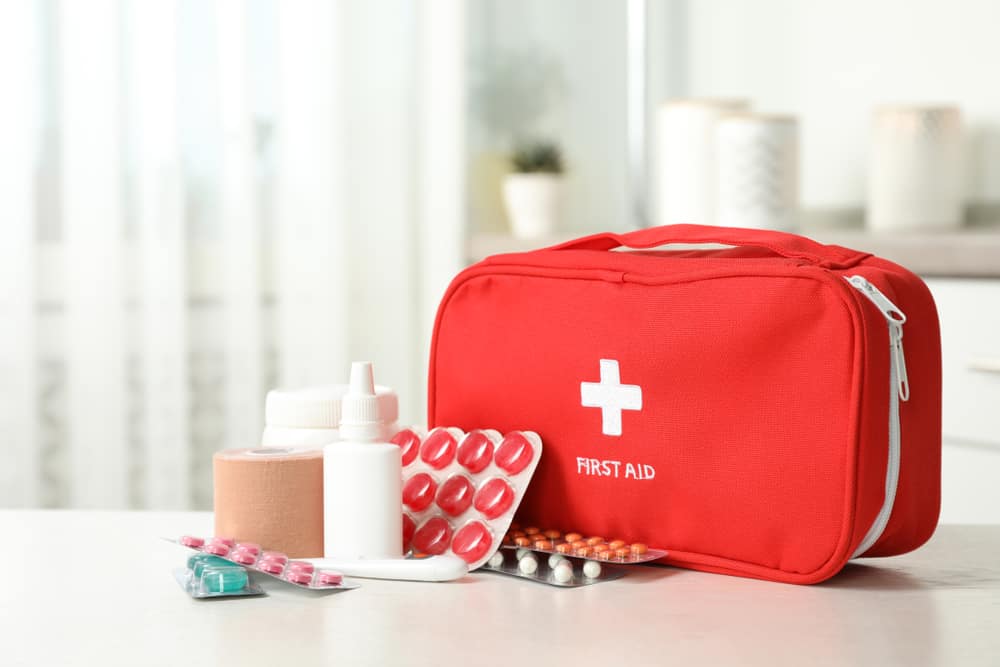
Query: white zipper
{"type": "Point", "coordinates": [899, 390]}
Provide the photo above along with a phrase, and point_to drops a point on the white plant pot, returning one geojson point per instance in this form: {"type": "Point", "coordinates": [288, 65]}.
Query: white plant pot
{"type": "Point", "coordinates": [533, 203]}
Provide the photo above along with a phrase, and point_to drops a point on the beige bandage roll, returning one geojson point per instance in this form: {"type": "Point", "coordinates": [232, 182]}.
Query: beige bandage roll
{"type": "Point", "coordinates": [273, 497]}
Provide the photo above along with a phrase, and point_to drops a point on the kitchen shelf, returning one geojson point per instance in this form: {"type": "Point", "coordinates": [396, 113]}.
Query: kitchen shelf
{"type": "Point", "coordinates": [974, 252]}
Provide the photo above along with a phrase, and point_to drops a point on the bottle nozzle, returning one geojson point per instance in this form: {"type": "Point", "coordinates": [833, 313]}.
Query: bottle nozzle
{"type": "Point", "coordinates": [359, 407]}
{"type": "Point", "coordinates": [362, 379]}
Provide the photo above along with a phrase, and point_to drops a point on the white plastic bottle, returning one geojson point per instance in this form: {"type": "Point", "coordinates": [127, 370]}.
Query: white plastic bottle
{"type": "Point", "coordinates": [310, 416]}
{"type": "Point", "coordinates": [362, 480]}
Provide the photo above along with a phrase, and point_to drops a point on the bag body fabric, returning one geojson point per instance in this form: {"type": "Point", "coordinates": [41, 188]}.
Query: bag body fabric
{"type": "Point", "coordinates": [770, 410]}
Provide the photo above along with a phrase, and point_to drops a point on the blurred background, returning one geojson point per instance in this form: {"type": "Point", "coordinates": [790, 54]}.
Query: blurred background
{"type": "Point", "coordinates": [205, 200]}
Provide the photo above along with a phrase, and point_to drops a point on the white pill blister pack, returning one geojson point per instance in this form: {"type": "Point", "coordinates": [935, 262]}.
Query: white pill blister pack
{"type": "Point", "coordinates": [552, 569]}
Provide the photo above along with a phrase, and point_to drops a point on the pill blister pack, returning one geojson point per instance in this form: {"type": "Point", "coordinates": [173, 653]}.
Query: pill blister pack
{"type": "Point", "coordinates": [551, 541]}
{"type": "Point", "coordinates": [208, 576]}
{"type": "Point", "coordinates": [552, 569]}
{"type": "Point", "coordinates": [460, 490]}
{"type": "Point", "coordinates": [273, 563]}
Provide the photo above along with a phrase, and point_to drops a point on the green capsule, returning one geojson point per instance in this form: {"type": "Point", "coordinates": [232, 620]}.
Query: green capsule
{"type": "Point", "coordinates": [228, 579]}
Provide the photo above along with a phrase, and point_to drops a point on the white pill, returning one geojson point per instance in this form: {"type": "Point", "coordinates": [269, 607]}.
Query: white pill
{"type": "Point", "coordinates": [555, 559]}
{"type": "Point", "coordinates": [592, 569]}
{"type": "Point", "coordinates": [563, 572]}
{"type": "Point", "coordinates": [522, 552]}
{"type": "Point", "coordinates": [496, 560]}
{"type": "Point", "coordinates": [528, 564]}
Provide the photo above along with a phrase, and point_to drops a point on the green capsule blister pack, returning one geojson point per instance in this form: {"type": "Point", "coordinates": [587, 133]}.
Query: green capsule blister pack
{"type": "Point", "coordinates": [208, 576]}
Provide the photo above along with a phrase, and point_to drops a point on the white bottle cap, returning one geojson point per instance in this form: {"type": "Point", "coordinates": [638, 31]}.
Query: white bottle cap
{"type": "Point", "coordinates": [359, 418]}
{"type": "Point", "coordinates": [320, 407]}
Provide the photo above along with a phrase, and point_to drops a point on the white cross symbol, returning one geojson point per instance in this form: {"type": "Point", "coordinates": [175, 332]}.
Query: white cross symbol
{"type": "Point", "coordinates": [611, 396]}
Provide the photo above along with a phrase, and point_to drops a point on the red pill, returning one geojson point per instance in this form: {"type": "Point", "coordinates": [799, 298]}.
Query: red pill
{"type": "Point", "coordinates": [591, 541]}
{"type": "Point", "coordinates": [271, 566]}
{"type": "Point", "coordinates": [418, 492]}
{"type": "Point", "coordinates": [617, 544]}
{"type": "Point", "coordinates": [298, 576]}
{"type": "Point", "coordinates": [455, 495]}
{"type": "Point", "coordinates": [433, 537]}
{"type": "Point", "coordinates": [472, 542]}
{"type": "Point", "coordinates": [564, 548]}
{"type": "Point", "coordinates": [329, 578]}
{"type": "Point", "coordinates": [242, 557]}
{"type": "Point", "coordinates": [522, 541]}
{"type": "Point", "coordinates": [438, 450]}
{"type": "Point", "coordinates": [191, 541]}
{"type": "Point", "coordinates": [514, 453]}
{"type": "Point", "coordinates": [552, 534]}
{"type": "Point", "coordinates": [532, 530]}
{"type": "Point", "coordinates": [409, 527]}
{"type": "Point", "coordinates": [409, 445]}
{"type": "Point", "coordinates": [475, 452]}
{"type": "Point", "coordinates": [494, 498]}
{"type": "Point", "coordinates": [638, 548]}
{"type": "Point", "coordinates": [573, 537]}
{"type": "Point", "coordinates": [301, 566]}
{"type": "Point", "coordinates": [228, 541]}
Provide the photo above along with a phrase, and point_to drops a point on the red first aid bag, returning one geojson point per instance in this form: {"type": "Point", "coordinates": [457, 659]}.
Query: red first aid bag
{"type": "Point", "coordinates": [770, 410]}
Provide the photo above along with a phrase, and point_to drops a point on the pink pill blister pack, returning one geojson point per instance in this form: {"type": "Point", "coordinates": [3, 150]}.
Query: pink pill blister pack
{"type": "Point", "coordinates": [273, 563]}
{"type": "Point", "coordinates": [461, 490]}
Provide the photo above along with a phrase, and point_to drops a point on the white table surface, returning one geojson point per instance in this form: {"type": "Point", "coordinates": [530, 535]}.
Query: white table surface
{"type": "Point", "coordinates": [96, 588]}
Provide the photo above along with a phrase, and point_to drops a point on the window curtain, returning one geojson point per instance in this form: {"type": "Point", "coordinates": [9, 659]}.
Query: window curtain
{"type": "Point", "coordinates": [202, 201]}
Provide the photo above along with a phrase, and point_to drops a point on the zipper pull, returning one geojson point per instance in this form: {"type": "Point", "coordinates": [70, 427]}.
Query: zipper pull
{"type": "Point", "coordinates": [896, 319]}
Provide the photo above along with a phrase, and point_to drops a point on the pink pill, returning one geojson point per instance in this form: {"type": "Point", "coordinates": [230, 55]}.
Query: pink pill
{"type": "Point", "coordinates": [438, 450]}
{"type": "Point", "coordinates": [298, 576]}
{"type": "Point", "coordinates": [475, 452]}
{"type": "Point", "coordinates": [514, 453]}
{"type": "Point", "coordinates": [242, 557]}
{"type": "Point", "coordinates": [274, 556]}
{"type": "Point", "coordinates": [218, 549]}
{"type": "Point", "coordinates": [409, 445]}
{"type": "Point", "coordinates": [228, 541]}
{"type": "Point", "coordinates": [301, 566]}
{"type": "Point", "coordinates": [191, 541]}
{"type": "Point", "coordinates": [249, 547]}
{"type": "Point", "coordinates": [329, 578]}
{"type": "Point", "coordinates": [270, 566]}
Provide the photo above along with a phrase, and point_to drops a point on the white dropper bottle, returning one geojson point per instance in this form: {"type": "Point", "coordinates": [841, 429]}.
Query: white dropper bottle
{"type": "Point", "coordinates": [362, 480]}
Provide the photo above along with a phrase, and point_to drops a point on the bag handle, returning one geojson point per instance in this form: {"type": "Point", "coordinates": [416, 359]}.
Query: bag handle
{"type": "Point", "coordinates": [780, 243]}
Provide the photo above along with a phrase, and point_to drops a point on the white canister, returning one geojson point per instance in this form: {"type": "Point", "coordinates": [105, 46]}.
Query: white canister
{"type": "Point", "coordinates": [685, 159]}
{"type": "Point", "coordinates": [915, 169]}
{"type": "Point", "coordinates": [758, 171]}
{"type": "Point", "coordinates": [310, 417]}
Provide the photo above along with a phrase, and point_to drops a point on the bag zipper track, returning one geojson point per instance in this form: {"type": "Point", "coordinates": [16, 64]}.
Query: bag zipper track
{"type": "Point", "coordinates": [899, 388]}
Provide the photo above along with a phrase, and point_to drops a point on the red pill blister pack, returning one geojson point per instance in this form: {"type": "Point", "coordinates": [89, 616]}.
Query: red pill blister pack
{"type": "Point", "coordinates": [460, 490]}
{"type": "Point", "coordinates": [273, 563]}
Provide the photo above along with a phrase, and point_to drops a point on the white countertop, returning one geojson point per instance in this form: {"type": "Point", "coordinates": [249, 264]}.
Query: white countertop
{"type": "Point", "coordinates": [96, 588]}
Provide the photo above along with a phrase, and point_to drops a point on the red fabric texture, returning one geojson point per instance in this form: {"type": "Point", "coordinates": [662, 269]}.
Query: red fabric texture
{"type": "Point", "coordinates": [761, 443]}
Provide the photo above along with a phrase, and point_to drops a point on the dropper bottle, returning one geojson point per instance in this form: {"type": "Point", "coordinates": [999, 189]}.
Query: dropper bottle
{"type": "Point", "coordinates": [362, 480]}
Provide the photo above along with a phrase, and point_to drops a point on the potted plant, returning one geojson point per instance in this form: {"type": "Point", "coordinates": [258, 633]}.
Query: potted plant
{"type": "Point", "coordinates": [533, 190]}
